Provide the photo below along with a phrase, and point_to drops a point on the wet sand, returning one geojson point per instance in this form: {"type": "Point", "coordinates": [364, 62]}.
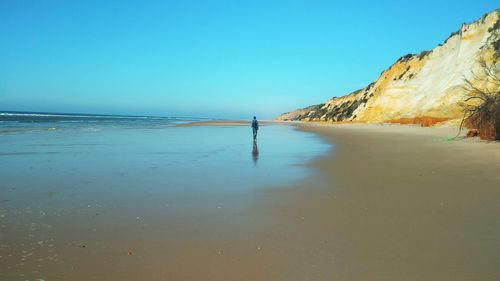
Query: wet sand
{"type": "Point", "coordinates": [137, 202]}
{"type": "Point", "coordinates": [387, 202]}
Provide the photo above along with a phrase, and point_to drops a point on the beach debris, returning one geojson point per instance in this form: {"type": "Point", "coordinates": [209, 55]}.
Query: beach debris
{"type": "Point", "coordinates": [130, 253]}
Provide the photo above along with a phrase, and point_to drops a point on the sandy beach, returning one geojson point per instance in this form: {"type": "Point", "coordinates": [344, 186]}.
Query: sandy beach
{"type": "Point", "coordinates": [388, 202]}
{"type": "Point", "coordinates": [385, 202]}
{"type": "Point", "coordinates": [397, 202]}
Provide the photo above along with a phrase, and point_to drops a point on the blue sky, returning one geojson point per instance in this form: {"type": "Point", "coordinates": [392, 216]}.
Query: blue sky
{"type": "Point", "coordinates": [226, 59]}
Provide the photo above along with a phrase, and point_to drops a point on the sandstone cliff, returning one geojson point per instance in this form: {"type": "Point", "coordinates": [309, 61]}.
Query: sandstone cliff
{"type": "Point", "coordinates": [423, 88]}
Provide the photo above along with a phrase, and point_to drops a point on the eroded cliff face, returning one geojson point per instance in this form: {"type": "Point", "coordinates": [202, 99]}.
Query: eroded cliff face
{"type": "Point", "coordinates": [421, 88]}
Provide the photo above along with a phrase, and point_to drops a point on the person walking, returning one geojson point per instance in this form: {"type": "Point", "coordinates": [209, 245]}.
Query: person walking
{"type": "Point", "coordinates": [255, 127]}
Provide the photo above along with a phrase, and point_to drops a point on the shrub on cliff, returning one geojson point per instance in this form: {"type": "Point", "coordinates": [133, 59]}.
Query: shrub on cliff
{"type": "Point", "coordinates": [482, 102]}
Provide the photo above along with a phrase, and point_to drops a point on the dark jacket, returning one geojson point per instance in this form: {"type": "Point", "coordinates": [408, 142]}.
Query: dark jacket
{"type": "Point", "coordinates": [255, 124]}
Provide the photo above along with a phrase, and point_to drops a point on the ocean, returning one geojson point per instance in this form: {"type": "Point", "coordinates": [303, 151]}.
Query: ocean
{"type": "Point", "coordinates": [12, 122]}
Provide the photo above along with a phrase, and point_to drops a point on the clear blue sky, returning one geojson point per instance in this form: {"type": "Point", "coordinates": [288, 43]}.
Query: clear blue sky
{"type": "Point", "coordinates": [227, 59]}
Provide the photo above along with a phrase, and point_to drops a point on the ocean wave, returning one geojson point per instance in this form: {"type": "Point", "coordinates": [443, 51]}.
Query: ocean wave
{"type": "Point", "coordinates": [85, 116]}
{"type": "Point", "coordinates": [30, 122]}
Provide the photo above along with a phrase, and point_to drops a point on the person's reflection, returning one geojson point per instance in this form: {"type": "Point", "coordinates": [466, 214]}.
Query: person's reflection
{"type": "Point", "coordinates": [255, 152]}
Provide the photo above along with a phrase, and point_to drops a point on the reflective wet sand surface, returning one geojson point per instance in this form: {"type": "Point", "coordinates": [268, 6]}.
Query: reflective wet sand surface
{"type": "Point", "coordinates": [139, 203]}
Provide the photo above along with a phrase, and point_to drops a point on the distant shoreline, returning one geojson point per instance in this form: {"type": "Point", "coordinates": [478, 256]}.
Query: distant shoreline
{"type": "Point", "coordinates": [43, 113]}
